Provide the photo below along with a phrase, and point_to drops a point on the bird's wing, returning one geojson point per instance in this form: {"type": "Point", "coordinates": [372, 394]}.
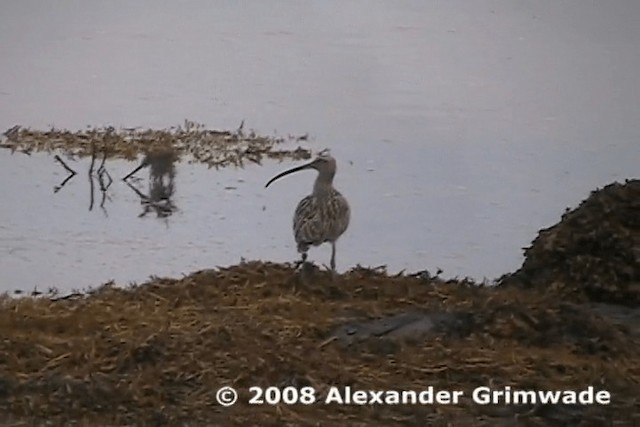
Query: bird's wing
{"type": "Point", "coordinates": [307, 224]}
{"type": "Point", "coordinates": [341, 213]}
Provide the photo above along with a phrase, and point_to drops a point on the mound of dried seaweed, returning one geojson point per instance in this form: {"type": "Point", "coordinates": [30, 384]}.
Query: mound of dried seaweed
{"type": "Point", "coordinates": [212, 147]}
{"type": "Point", "coordinates": [594, 251]}
{"type": "Point", "coordinates": [157, 353]}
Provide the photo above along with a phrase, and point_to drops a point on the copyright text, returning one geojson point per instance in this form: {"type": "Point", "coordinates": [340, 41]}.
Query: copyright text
{"type": "Point", "coordinates": [227, 396]}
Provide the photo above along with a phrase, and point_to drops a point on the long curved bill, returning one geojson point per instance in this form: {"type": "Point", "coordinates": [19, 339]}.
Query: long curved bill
{"type": "Point", "coordinates": [287, 172]}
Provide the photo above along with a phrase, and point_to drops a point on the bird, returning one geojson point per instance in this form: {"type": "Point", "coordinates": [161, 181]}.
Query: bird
{"type": "Point", "coordinates": [322, 216]}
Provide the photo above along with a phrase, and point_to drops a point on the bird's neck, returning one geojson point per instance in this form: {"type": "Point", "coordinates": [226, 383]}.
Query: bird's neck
{"type": "Point", "coordinates": [323, 186]}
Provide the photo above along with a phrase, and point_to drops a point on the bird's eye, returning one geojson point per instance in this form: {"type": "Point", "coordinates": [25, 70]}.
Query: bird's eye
{"type": "Point", "coordinates": [324, 154]}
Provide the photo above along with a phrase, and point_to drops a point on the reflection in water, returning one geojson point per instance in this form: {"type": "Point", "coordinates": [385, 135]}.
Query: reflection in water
{"type": "Point", "coordinates": [72, 173]}
{"type": "Point", "coordinates": [162, 172]}
{"type": "Point", "coordinates": [101, 173]}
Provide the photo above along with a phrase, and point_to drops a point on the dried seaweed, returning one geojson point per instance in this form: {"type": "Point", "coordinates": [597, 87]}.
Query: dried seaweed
{"type": "Point", "coordinates": [212, 147]}
{"type": "Point", "coordinates": [156, 353]}
{"type": "Point", "coordinates": [593, 252]}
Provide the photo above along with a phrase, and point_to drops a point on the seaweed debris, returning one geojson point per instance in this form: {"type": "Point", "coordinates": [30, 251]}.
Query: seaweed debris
{"type": "Point", "coordinates": [593, 253]}
{"type": "Point", "coordinates": [212, 147]}
{"type": "Point", "coordinates": [157, 353]}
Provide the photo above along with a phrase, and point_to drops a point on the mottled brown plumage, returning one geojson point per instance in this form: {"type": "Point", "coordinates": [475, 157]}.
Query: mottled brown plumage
{"type": "Point", "coordinates": [323, 216]}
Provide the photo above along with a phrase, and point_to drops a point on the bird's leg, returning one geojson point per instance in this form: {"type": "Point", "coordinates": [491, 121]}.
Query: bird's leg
{"type": "Point", "coordinates": [304, 269]}
{"type": "Point", "coordinates": [301, 261]}
{"type": "Point", "coordinates": [333, 256]}
{"type": "Point", "coordinates": [333, 259]}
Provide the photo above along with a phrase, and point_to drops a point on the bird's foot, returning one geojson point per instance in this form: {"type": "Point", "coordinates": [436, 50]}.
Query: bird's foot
{"type": "Point", "coordinates": [306, 273]}
{"type": "Point", "coordinates": [332, 271]}
{"type": "Point", "coordinates": [304, 269]}
{"type": "Point", "coordinates": [301, 261]}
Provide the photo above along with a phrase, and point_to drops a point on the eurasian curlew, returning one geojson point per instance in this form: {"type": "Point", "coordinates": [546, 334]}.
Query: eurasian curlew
{"type": "Point", "coordinates": [322, 216]}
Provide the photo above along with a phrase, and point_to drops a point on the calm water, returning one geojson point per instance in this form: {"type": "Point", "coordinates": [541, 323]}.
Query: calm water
{"type": "Point", "coordinates": [460, 130]}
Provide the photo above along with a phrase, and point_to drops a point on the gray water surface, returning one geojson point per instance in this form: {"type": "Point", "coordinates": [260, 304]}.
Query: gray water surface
{"type": "Point", "coordinates": [460, 128]}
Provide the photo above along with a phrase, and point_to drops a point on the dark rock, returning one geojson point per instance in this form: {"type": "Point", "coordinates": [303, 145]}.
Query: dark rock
{"type": "Point", "coordinates": [408, 325]}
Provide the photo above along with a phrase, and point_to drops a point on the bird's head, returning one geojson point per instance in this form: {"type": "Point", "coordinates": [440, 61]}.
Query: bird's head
{"type": "Point", "coordinates": [324, 163]}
